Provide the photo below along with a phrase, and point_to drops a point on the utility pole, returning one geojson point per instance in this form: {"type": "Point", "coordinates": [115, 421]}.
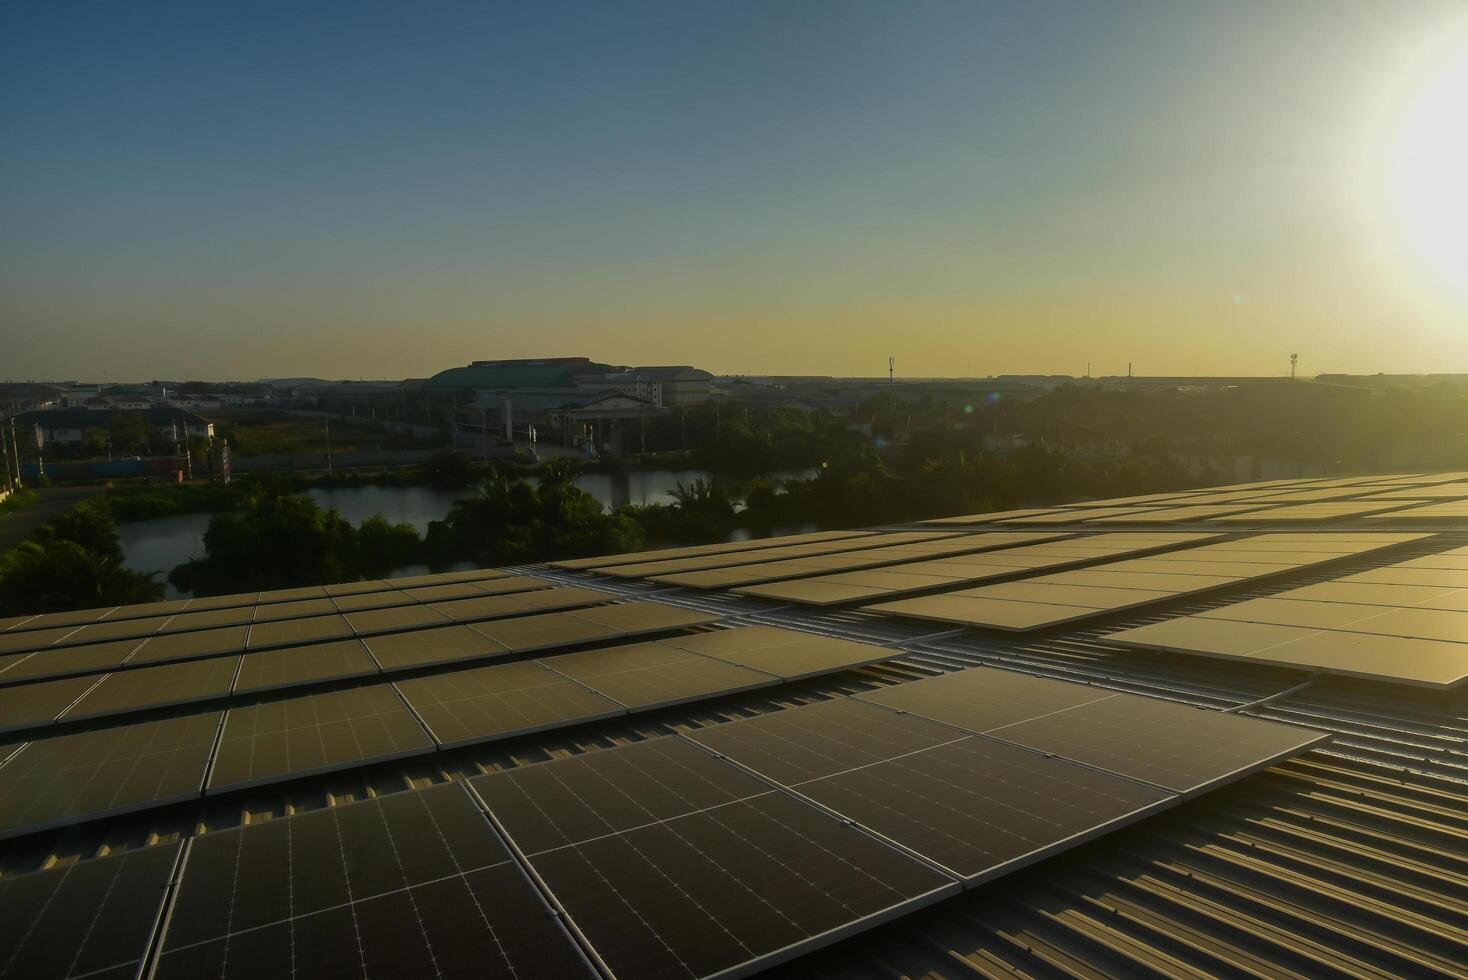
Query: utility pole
{"type": "Point", "coordinates": [327, 420]}
{"type": "Point", "coordinates": [1294, 358]}
{"type": "Point", "coordinates": [15, 452]}
{"type": "Point", "coordinates": [891, 369]}
{"type": "Point", "coordinates": [5, 451]}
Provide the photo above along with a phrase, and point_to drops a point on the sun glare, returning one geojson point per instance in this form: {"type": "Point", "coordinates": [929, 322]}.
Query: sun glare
{"type": "Point", "coordinates": [1428, 166]}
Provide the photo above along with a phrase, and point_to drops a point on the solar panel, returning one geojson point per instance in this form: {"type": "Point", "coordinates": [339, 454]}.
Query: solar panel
{"type": "Point", "coordinates": [93, 659]}
{"type": "Point", "coordinates": [991, 516]}
{"type": "Point", "coordinates": [1179, 747]}
{"type": "Point", "coordinates": [439, 896]}
{"type": "Point", "coordinates": [1324, 511]}
{"type": "Point", "coordinates": [187, 646]}
{"type": "Point", "coordinates": [208, 619]}
{"type": "Point", "coordinates": [30, 705]}
{"type": "Point", "coordinates": [165, 607]}
{"type": "Point", "coordinates": [984, 698]}
{"type": "Point", "coordinates": [292, 594]}
{"type": "Point", "coordinates": [372, 600]}
{"type": "Point", "coordinates": [483, 575]}
{"type": "Point", "coordinates": [203, 603]}
{"type": "Point", "coordinates": [313, 733]}
{"type": "Point", "coordinates": [448, 590]}
{"type": "Point", "coordinates": [1076, 515]}
{"type": "Point", "coordinates": [1405, 623]}
{"type": "Point", "coordinates": [294, 609]}
{"type": "Point", "coordinates": [292, 632]}
{"type": "Point", "coordinates": [93, 918]}
{"type": "Point", "coordinates": [356, 588]}
{"type": "Point", "coordinates": [925, 576]}
{"type": "Point", "coordinates": [11, 622]}
{"type": "Point", "coordinates": [494, 607]}
{"type": "Point", "coordinates": [72, 618]}
{"type": "Point", "coordinates": [674, 864]}
{"type": "Point", "coordinates": [730, 547]}
{"type": "Point", "coordinates": [1454, 510]}
{"type": "Point", "coordinates": [1067, 597]}
{"type": "Point", "coordinates": [156, 687]}
{"type": "Point", "coordinates": [548, 630]}
{"type": "Point", "coordinates": [397, 618]}
{"type": "Point", "coordinates": [120, 629]}
{"type": "Point", "coordinates": [1176, 515]}
{"type": "Point", "coordinates": [975, 807]}
{"type": "Point", "coordinates": [422, 648]}
{"type": "Point", "coordinates": [500, 701]}
{"type": "Point", "coordinates": [646, 675]}
{"type": "Point", "coordinates": [66, 778]}
{"type": "Point", "coordinates": [788, 654]}
{"type": "Point", "coordinates": [678, 566]}
{"type": "Point", "coordinates": [802, 567]}
{"type": "Point", "coordinates": [291, 666]}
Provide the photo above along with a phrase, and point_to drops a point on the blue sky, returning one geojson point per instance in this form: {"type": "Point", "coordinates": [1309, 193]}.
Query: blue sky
{"type": "Point", "coordinates": [380, 190]}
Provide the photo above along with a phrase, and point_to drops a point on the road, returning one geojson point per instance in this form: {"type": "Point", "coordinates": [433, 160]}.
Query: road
{"type": "Point", "coordinates": [17, 525]}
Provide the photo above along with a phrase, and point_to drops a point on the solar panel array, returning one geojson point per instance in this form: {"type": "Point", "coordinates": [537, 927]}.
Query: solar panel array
{"type": "Point", "coordinates": [794, 568]}
{"type": "Point", "coordinates": [954, 571]}
{"type": "Point", "coordinates": [484, 581]}
{"type": "Point", "coordinates": [1404, 623]}
{"type": "Point", "coordinates": [1065, 597]}
{"type": "Point", "coordinates": [723, 850]}
{"type": "Point", "coordinates": [792, 828]}
{"type": "Point", "coordinates": [63, 778]}
{"type": "Point", "coordinates": [726, 548]}
{"type": "Point", "coordinates": [408, 885]}
{"type": "Point", "coordinates": [698, 563]}
{"type": "Point", "coordinates": [672, 863]}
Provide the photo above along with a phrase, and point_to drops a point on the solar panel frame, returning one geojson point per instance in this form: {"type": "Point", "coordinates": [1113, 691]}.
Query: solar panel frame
{"type": "Point", "coordinates": [739, 809]}
{"type": "Point", "coordinates": [443, 717]}
{"type": "Point", "coordinates": [270, 723]}
{"type": "Point", "coordinates": [114, 887]}
{"type": "Point", "coordinates": [447, 871]}
{"type": "Point", "coordinates": [283, 668]}
{"type": "Point", "coordinates": [67, 662]}
{"type": "Point", "coordinates": [828, 751]}
{"type": "Point", "coordinates": [160, 686]}
{"type": "Point", "coordinates": [645, 676]}
{"type": "Point", "coordinates": [1087, 734]}
{"type": "Point", "coordinates": [37, 705]}
{"type": "Point", "coordinates": [53, 772]}
{"type": "Point", "coordinates": [937, 575]}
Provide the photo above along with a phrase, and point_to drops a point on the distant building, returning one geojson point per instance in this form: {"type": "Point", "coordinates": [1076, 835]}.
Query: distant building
{"type": "Point", "coordinates": [665, 387]}
{"type": "Point", "coordinates": [66, 426]}
{"type": "Point", "coordinates": [540, 372]}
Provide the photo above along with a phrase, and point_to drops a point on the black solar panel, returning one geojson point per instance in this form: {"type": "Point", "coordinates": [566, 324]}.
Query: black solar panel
{"type": "Point", "coordinates": [499, 701]}
{"type": "Point", "coordinates": [64, 663]}
{"type": "Point", "coordinates": [411, 885]}
{"type": "Point", "coordinates": [1175, 746]}
{"type": "Point", "coordinates": [312, 733]}
{"type": "Point", "coordinates": [65, 778]}
{"type": "Point", "coordinates": [90, 919]}
{"type": "Point", "coordinates": [974, 806]}
{"type": "Point", "coordinates": [30, 705]}
{"type": "Point", "coordinates": [1183, 748]}
{"type": "Point", "coordinates": [674, 864]}
{"type": "Point", "coordinates": [153, 687]}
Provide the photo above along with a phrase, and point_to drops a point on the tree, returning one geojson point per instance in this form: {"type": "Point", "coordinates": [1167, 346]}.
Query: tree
{"type": "Point", "coordinates": [130, 432]}
{"type": "Point", "coordinates": [94, 440]}
{"type": "Point", "coordinates": [72, 562]}
{"type": "Point", "coordinates": [279, 541]}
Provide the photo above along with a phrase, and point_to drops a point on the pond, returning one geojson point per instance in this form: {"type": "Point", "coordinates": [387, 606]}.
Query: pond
{"type": "Point", "coordinates": [160, 543]}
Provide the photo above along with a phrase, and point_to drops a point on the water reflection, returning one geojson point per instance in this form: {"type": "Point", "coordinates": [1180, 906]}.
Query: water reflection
{"type": "Point", "coordinates": [160, 543]}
